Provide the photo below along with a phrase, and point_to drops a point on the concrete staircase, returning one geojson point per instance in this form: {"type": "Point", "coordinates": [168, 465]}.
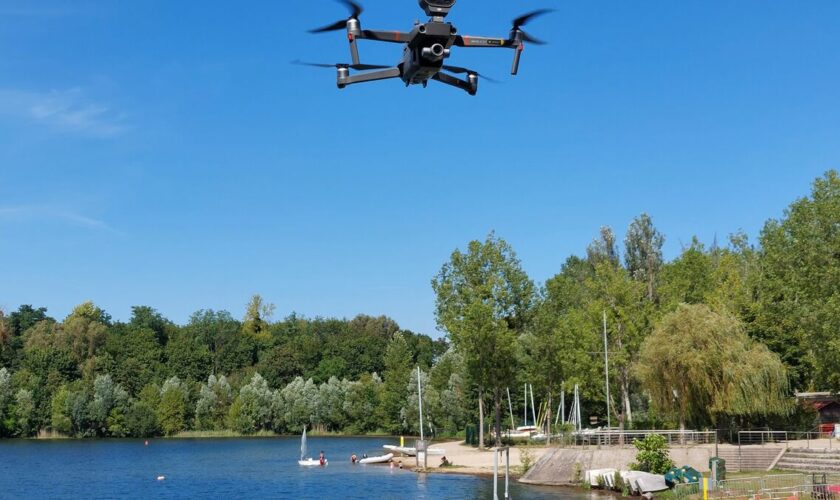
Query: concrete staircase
{"type": "Point", "coordinates": [805, 460]}
{"type": "Point", "coordinates": [751, 457]}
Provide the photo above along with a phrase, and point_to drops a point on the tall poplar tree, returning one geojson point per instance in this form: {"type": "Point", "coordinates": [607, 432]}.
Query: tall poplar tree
{"type": "Point", "coordinates": [484, 301]}
{"type": "Point", "coordinates": [643, 253]}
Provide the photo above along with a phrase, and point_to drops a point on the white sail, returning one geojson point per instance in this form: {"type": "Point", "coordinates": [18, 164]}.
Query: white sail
{"type": "Point", "coordinates": [303, 444]}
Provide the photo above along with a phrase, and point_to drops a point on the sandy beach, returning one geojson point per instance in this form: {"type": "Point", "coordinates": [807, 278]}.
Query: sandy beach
{"type": "Point", "coordinates": [468, 460]}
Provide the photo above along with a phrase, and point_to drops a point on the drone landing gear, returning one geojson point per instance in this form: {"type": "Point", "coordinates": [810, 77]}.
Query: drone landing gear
{"type": "Point", "coordinates": [470, 84]}
{"type": "Point", "coordinates": [345, 78]}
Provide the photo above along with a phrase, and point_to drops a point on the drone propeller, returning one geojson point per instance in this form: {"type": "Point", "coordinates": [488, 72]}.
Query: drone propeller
{"type": "Point", "coordinates": [342, 65]}
{"type": "Point", "coordinates": [355, 11]}
{"type": "Point", "coordinates": [523, 20]}
{"type": "Point", "coordinates": [458, 69]}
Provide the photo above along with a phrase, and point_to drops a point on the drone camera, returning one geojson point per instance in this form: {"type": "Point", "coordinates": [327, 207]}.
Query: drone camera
{"type": "Point", "coordinates": [436, 8]}
{"type": "Point", "coordinates": [435, 53]}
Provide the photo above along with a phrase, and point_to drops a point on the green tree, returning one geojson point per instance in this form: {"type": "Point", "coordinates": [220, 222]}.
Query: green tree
{"type": "Point", "coordinates": [688, 278]}
{"type": "Point", "coordinates": [26, 317]}
{"type": "Point", "coordinates": [484, 302]}
{"type": "Point", "coordinates": [213, 402]}
{"type": "Point", "coordinates": [396, 376]}
{"type": "Point", "coordinates": [25, 412]}
{"type": "Point", "coordinates": [141, 420]}
{"type": "Point", "coordinates": [699, 365]}
{"type": "Point", "coordinates": [331, 395]}
{"type": "Point", "coordinates": [138, 357]}
{"type": "Point", "coordinates": [257, 319]}
{"type": "Point", "coordinates": [148, 318]}
{"type": "Point", "coordinates": [253, 406]}
{"type": "Point", "coordinates": [59, 418]}
{"type": "Point", "coordinates": [643, 253]}
{"type": "Point", "coordinates": [361, 402]}
{"type": "Point", "coordinates": [300, 403]}
{"type": "Point", "coordinates": [798, 287]}
{"type": "Point", "coordinates": [186, 357]}
{"type": "Point", "coordinates": [5, 396]}
{"type": "Point", "coordinates": [628, 312]}
{"type": "Point", "coordinates": [108, 396]}
{"type": "Point", "coordinates": [172, 410]}
{"type": "Point", "coordinates": [652, 455]}
{"type": "Point", "coordinates": [603, 248]}
{"type": "Point", "coordinates": [432, 413]}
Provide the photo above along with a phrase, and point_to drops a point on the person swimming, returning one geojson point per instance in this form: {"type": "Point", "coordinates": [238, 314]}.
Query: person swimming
{"type": "Point", "coordinates": [353, 458]}
{"type": "Point", "coordinates": [322, 459]}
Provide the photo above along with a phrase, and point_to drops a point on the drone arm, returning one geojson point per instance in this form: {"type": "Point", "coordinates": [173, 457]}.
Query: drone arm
{"type": "Point", "coordinates": [470, 86]}
{"type": "Point", "coordinates": [385, 36]}
{"type": "Point", "coordinates": [370, 76]}
{"type": "Point", "coordinates": [484, 42]}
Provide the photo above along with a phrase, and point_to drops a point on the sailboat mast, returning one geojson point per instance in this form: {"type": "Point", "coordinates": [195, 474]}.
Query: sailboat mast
{"type": "Point", "coordinates": [606, 369]}
{"type": "Point", "coordinates": [510, 410]}
{"type": "Point", "coordinates": [420, 400]}
{"type": "Point", "coordinates": [526, 405]}
{"type": "Point", "coordinates": [533, 407]}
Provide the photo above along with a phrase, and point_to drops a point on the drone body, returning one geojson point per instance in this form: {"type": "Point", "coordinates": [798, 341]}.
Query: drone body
{"type": "Point", "coordinates": [427, 45]}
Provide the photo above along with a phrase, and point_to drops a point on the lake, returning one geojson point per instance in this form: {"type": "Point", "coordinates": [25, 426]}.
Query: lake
{"type": "Point", "coordinates": [224, 468]}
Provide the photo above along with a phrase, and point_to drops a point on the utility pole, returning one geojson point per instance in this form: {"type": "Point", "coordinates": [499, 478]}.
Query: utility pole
{"type": "Point", "coordinates": [606, 369]}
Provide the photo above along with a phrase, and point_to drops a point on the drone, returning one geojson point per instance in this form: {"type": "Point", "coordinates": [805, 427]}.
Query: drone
{"type": "Point", "coordinates": [427, 46]}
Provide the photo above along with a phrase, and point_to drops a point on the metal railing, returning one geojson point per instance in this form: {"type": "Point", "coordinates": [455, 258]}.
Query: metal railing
{"type": "Point", "coordinates": [815, 440]}
{"type": "Point", "coordinates": [816, 486]}
{"type": "Point", "coordinates": [616, 438]}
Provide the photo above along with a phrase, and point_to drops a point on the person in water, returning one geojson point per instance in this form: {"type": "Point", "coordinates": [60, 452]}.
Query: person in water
{"type": "Point", "coordinates": [353, 458]}
{"type": "Point", "coordinates": [322, 459]}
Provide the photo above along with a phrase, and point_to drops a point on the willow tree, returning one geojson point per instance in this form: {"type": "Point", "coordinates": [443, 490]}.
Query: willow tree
{"type": "Point", "coordinates": [484, 300]}
{"type": "Point", "coordinates": [699, 365]}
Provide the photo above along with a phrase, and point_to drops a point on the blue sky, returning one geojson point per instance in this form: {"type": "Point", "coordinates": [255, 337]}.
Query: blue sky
{"type": "Point", "coordinates": [167, 153]}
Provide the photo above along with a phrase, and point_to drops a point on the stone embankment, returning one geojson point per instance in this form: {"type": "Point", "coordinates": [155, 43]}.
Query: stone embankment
{"type": "Point", "coordinates": [563, 466]}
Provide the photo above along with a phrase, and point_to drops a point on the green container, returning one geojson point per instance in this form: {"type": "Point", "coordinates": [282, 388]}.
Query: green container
{"type": "Point", "coordinates": [471, 436]}
{"type": "Point", "coordinates": [721, 467]}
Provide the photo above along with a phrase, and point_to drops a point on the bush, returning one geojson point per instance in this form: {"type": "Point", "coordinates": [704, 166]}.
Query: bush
{"type": "Point", "coordinates": [652, 455]}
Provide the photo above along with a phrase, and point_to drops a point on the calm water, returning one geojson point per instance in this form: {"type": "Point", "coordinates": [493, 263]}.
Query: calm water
{"type": "Point", "coordinates": [223, 468]}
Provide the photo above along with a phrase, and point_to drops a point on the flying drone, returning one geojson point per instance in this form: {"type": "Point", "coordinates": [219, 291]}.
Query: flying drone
{"type": "Point", "coordinates": [427, 46]}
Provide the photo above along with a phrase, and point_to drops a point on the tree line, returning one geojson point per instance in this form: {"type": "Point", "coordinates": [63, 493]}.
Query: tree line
{"type": "Point", "coordinates": [720, 336]}
{"type": "Point", "coordinates": [90, 376]}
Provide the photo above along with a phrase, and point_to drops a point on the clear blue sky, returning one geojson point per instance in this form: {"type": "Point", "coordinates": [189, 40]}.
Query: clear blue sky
{"type": "Point", "coordinates": [167, 153]}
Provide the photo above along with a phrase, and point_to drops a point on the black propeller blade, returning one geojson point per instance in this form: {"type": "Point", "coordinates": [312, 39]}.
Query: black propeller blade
{"type": "Point", "coordinates": [458, 69]}
{"type": "Point", "coordinates": [355, 11]}
{"type": "Point", "coordinates": [524, 19]}
{"type": "Point", "coordinates": [342, 65]}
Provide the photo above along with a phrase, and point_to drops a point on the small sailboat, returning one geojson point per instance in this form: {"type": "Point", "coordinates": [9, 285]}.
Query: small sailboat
{"type": "Point", "coordinates": [308, 461]}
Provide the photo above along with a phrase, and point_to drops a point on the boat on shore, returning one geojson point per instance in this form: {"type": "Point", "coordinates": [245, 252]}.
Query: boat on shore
{"type": "Point", "coordinates": [411, 451]}
{"type": "Point", "coordinates": [381, 459]}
